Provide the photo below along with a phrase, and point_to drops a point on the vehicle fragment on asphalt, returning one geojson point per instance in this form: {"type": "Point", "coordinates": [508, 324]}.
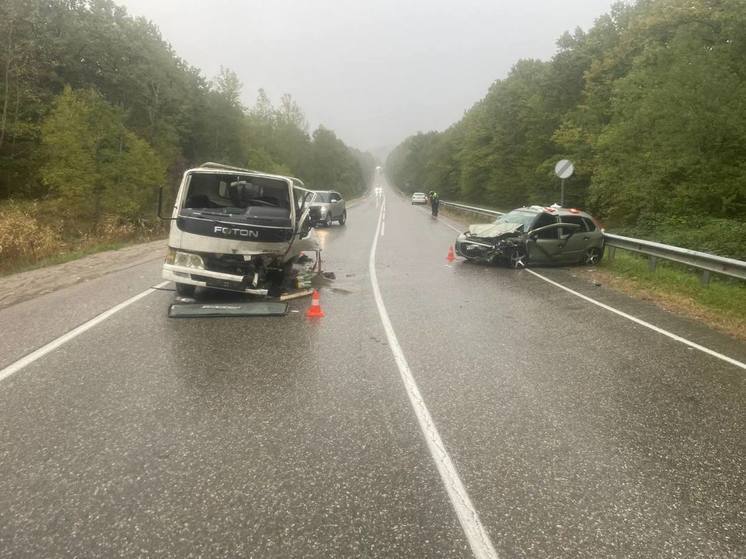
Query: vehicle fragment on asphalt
{"type": "Point", "coordinates": [228, 309]}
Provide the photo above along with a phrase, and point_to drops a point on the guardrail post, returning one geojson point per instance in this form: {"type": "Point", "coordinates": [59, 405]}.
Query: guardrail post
{"type": "Point", "coordinates": [612, 253]}
{"type": "Point", "coordinates": [652, 263]}
{"type": "Point", "coordinates": [705, 278]}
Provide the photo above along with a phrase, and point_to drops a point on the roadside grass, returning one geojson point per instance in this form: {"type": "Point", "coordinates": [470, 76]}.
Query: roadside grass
{"type": "Point", "coordinates": [673, 287]}
{"type": "Point", "coordinates": [25, 265]}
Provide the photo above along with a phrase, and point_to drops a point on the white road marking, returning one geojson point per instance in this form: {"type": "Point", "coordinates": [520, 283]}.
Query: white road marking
{"type": "Point", "coordinates": [54, 344]}
{"type": "Point", "coordinates": [467, 515]}
{"type": "Point", "coordinates": [383, 218]}
{"type": "Point", "coordinates": [639, 321]}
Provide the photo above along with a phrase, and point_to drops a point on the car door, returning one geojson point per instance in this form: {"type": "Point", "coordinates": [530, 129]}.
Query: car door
{"type": "Point", "coordinates": [576, 237]}
{"type": "Point", "coordinates": [544, 244]}
{"type": "Point", "coordinates": [334, 206]}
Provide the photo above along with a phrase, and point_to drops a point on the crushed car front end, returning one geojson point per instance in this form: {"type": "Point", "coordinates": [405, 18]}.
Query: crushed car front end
{"type": "Point", "coordinates": [491, 244]}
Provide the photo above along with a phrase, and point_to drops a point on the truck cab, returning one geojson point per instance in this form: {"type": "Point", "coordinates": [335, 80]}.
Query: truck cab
{"type": "Point", "coordinates": [236, 229]}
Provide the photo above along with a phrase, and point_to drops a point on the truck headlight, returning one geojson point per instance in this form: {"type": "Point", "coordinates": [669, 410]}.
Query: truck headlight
{"type": "Point", "coordinates": [188, 260]}
{"type": "Point", "coordinates": [323, 210]}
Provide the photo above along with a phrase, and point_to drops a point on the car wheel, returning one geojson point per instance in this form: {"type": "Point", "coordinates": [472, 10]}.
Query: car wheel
{"type": "Point", "coordinates": [185, 289]}
{"type": "Point", "coordinates": [343, 218]}
{"type": "Point", "coordinates": [517, 259]}
{"type": "Point", "coordinates": [593, 256]}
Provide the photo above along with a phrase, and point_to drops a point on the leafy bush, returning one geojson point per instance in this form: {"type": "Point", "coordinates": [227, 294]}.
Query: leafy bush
{"type": "Point", "coordinates": [23, 237]}
{"type": "Point", "coordinates": [725, 237]}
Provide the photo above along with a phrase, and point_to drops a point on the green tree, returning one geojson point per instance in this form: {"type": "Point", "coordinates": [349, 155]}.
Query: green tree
{"type": "Point", "coordinates": [94, 165]}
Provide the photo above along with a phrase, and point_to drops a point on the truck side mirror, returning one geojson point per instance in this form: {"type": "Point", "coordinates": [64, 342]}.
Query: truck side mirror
{"type": "Point", "coordinates": [160, 203]}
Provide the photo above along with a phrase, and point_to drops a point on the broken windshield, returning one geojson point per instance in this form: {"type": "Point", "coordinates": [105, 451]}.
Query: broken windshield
{"type": "Point", "coordinates": [234, 194]}
{"type": "Point", "coordinates": [519, 218]}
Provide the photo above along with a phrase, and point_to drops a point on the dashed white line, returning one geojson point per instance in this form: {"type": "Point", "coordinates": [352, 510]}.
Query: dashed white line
{"type": "Point", "coordinates": [467, 515]}
{"type": "Point", "coordinates": [634, 319]}
{"type": "Point", "coordinates": [383, 218]}
{"type": "Point", "coordinates": [54, 344]}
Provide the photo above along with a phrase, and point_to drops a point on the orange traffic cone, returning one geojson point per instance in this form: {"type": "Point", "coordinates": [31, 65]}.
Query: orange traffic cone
{"type": "Point", "coordinates": [314, 311]}
{"type": "Point", "coordinates": [451, 257]}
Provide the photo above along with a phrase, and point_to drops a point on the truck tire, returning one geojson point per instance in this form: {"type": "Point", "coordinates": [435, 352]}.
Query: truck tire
{"type": "Point", "coordinates": [185, 289]}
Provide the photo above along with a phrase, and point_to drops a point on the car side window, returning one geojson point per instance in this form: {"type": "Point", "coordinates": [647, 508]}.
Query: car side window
{"type": "Point", "coordinates": [590, 226]}
{"type": "Point", "coordinates": [575, 219]}
{"type": "Point", "coordinates": [543, 220]}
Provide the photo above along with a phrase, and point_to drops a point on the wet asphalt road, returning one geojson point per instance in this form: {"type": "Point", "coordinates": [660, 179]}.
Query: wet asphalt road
{"type": "Point", "coordinates": [575, 432]}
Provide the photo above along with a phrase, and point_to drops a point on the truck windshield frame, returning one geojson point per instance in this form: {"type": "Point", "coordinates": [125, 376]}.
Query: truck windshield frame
{"type": "Point", "coordinates": [230, 193]}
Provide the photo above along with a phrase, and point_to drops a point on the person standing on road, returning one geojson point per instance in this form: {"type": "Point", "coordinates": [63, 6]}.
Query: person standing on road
{"type": "Point", "coordinates": [434, 202]}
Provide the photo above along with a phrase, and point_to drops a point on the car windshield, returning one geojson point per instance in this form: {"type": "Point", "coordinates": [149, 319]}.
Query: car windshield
{"type": "Point", "coordinates": [323, 198]}
{"type": "Point", "coordinates": [518, 217]}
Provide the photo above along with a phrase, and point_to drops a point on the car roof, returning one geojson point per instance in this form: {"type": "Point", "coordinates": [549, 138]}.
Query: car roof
{"type": "Point", "coordinates": [554, 210]}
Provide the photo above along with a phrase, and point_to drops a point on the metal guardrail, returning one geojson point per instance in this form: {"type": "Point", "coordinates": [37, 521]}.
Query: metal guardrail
{"type": "Point", "coordinates": [472, 209]}
{"type": "Point", "coordinates": [707, 263]}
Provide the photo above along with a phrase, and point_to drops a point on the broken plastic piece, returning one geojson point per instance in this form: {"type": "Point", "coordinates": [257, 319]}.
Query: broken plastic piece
{"type": "Point", "coordinates": [296, 295]}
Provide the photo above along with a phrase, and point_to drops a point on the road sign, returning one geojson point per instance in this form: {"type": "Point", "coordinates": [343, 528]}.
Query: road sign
{"type": "Point", "coordinates": [564, 169]}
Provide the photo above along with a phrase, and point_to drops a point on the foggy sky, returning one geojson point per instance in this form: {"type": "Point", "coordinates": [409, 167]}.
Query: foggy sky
{"type": "Point", "coordinates": [374, 71]}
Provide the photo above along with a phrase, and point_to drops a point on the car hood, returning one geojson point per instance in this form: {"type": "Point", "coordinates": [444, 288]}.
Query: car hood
{"type": "Point", "coordinates": [320, 204]}
{"type": "Point", "coordinates": [487, 230]}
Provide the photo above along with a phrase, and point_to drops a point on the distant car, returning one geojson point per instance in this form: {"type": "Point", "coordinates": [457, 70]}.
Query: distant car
{"type": "Point", "coordinates": [328, 206]}
{"type": "Point", "coordinates": [535, 235]}
{"type": "Point", "coordinates": [419, 198]}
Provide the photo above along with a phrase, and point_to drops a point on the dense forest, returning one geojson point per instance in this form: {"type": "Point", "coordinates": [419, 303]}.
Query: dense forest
{"type": "Point", "coordinates": [97, 111]}
{"type": "Point", "coordinates": [650, 105]}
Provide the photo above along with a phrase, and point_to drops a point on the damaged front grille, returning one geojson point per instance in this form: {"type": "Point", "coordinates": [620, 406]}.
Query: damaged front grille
{"type": "Point", "coordinates": [231, 264]}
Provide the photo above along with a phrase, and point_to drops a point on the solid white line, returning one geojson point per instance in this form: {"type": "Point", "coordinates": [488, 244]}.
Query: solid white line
{"type": "Point", "coordinates": [641, 322]}
{"type": "Point", "coordinates": [467, 515]}
{"type": "Point", "coordinates": [54, 344]}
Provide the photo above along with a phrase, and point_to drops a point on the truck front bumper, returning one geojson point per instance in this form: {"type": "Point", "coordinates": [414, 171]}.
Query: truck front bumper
{"type": "Point", "coordinates": [212, 280]}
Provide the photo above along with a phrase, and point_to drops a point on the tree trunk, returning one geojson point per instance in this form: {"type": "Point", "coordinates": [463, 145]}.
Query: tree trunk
{"type": "Point", "coordinates": [15, 114]}
{"type": "Point", "coordinates": [4, 117]}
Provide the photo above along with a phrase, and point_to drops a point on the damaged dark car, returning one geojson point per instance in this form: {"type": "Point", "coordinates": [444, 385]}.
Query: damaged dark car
{"type": "Point", "coordinates": [535, 235]}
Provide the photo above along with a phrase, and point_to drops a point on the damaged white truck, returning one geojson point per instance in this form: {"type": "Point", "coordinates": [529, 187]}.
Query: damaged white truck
{"type": "Point", "coordinates": [236, 229]}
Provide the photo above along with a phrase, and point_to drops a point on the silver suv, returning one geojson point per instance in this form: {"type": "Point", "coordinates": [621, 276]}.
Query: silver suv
{"type": "Point", "coordinates": [328, 206]}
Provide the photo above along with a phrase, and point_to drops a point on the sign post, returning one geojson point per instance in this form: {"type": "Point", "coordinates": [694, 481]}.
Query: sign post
{"type": "Point", "coordinates": [564, 170]}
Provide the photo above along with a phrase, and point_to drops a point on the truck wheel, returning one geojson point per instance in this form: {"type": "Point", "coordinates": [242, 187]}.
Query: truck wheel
{"type": "Point", "coordinates": [185, 289]}
{"type": "Point", "coordinates": [343, 218]}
